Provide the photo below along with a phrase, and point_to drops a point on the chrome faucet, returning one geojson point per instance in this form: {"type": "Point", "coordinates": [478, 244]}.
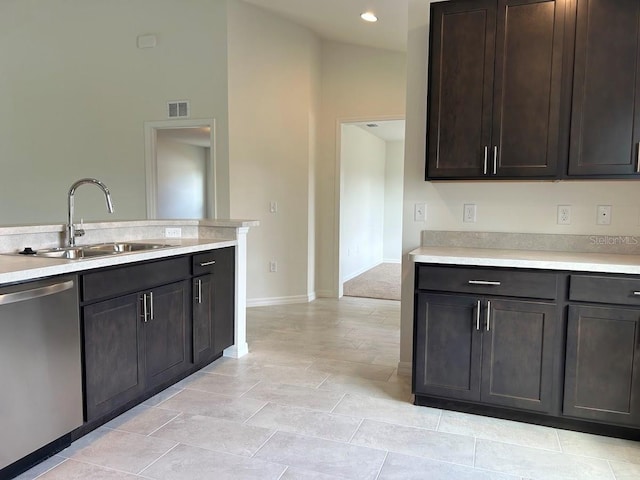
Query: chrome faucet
{"type": "Point", "coordinates": [72, 231]}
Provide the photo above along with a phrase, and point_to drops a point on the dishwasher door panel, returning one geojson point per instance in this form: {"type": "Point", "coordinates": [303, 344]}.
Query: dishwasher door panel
{"type": "Point", "coordinates": [40, 366]}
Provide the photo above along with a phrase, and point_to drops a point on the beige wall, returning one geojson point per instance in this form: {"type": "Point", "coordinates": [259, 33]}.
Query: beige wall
{"type": "Point", "coordinates": [393, 188]}
{"type": "Point", "coordinates": [358, 83]}
{"type": "Point", "coordinates": [272, 101]}
{"type": "Point", "coordinates": [524, 207]}
{"type": "Point", "coordinates": [75, 91]}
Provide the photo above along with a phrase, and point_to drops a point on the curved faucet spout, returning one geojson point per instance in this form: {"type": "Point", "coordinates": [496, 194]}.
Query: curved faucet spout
{"type": "Point", "coordinates": [72, 232]}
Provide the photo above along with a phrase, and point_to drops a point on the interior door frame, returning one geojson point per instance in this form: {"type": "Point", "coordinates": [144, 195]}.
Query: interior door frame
{"type": "Point", "coordinates": [338, 281]}
{"type": "Point", "coordinates": [151, 162]}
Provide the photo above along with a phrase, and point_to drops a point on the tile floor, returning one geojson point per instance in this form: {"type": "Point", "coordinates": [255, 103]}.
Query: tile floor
{"type": "Point", "coordinates": [318, 397]}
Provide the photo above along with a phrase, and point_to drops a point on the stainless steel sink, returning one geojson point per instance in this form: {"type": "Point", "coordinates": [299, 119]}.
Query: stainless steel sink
{"type": "Point", "coordinates": [97, 250]}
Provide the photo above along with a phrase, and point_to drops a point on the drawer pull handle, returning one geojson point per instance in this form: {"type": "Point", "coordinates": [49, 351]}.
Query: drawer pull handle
{"type": "Point", "coordinates": [637, 294]}
{"type": "Point", "coordinates": [151, 305]}
{"type": "Point", "coordinates": [207, 264]}
{"type": "Point", "coordinates": [484, 282]}
{"type": "Point", "coordinates": [478, 316]}
{"type": "Point", "coordinates": [489, 316]}
{"type": "Point", "coordinates": [495, 160]}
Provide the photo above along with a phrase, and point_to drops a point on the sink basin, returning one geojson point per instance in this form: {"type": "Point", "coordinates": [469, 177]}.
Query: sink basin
{"type": "Point", "coordinates": [97, 250]}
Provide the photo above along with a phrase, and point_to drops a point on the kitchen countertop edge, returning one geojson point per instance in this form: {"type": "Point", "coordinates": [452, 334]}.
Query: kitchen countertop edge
{"type": "Point", "coordinates": [17, 268]}
{"type": "Point", "coordinates": [532, 259]}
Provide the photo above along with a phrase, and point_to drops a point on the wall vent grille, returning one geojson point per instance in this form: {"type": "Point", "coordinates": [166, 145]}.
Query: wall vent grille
{"type": "Point", "coordinates": [178, 109]}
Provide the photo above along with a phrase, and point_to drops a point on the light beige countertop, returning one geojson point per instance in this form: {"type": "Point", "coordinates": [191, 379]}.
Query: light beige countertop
{"type": "Point", "coordinates": [19, 268]}
{"type": "Point", "coordinates": [547, 260]}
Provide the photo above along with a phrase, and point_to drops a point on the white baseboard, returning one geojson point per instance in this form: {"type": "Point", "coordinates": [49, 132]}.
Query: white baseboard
{"type": "Point", "coordinates": [266, 302]}
{"type": "Point", "coordinates": [391, 260]}
{"type": "Point", "coordinates": [405, 369]}
{"type": "Point", "coordinates": [236, 351]}
{"type": "Point", "coordinates": [361, 271]}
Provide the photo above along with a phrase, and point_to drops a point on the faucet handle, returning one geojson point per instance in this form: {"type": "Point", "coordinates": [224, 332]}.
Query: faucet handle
{"type": "Point", "coordinates": [78, 232]}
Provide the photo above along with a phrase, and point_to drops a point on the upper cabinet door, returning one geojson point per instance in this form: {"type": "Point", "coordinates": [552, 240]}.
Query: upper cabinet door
{"type": "Point", "coordinates": [528, 88]}
{"type": "Point", "coordinates": [461, 88]}
{"type": "Point", "coordinates": [605, 125]}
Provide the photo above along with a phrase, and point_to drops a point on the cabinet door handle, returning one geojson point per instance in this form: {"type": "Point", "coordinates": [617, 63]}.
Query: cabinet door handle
{"type": "Point", "coordinates": [637, 294]}
{"type": "Point", "coordinates": [638, 158]}
{"type": "Point", "coordinates": [484, 282]}
{"type": "Point", "coordinates": [144, 308]}
{"type": "Point", "coordinates": [151, 305]}
{"type": "Point", "coordinates": [478, 316]}
{"type": "Point", "coordinates": [206, 264]}
{"type": "Point", "coordinates": [486, 158]}
{"type": "Point", "coordinates": [488, 315]}
{"type": "Point", "coordinates": [495, 160]}
{"type": "Point", "coordinates": [199, 294]}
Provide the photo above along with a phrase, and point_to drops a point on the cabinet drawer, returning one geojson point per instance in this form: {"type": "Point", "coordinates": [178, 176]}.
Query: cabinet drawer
{"type": "Point", "coordinates": [127, 279]}
{"type": "Point", "coordinates": [601, 289]}
{"type": "Point", "coordinates": [484, 281]}
{"type": "Point", "coordinates": [205, 262]}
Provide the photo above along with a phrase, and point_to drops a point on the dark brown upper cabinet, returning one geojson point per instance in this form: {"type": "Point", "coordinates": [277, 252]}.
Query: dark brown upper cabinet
{"type": "Point", "coordinates": [497, 94]}
{"type": "Point", "coordinates": [605, 121]}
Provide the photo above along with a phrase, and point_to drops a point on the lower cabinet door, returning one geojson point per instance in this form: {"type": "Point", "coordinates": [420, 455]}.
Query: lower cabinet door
{"type": "Point", "coordinates": [602, 376]}
{"type": "Point", "coordinates": [203, 314]}
{"type": "Point", "coordinates": [166, 339]}
{"type": "Point", "coordinates": [447, 350]}
{"type": "Point", "coordinates": [518, 354]}
{"type": "Point", "coordinates": [112, 354]}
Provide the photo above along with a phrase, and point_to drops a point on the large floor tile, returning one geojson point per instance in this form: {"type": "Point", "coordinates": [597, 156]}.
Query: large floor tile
{"type": "Point", "coordinates": [499, 430]}
{"type": "Point", "coordinates": [229, 437]}
{"type": "Point", "coordinates": [364, 387]}
{"type": "Point", "coordinates": [323, 456]}
{"type": "Point", "coordinates": [364, 370]}
{"type": "Point", "coordinates": [213, 405]}
{"type": "Point", "coordinates": [418, 442]}
{"type": "Point", "coordinates": [392, 411]}
{"type": "Point", "coordinates": [164, 395]}
{"type": "Point", "coordinates": [598, 446]}
{"type": "Point", "coordinates": [299, 474]}
{"type": "Point", "coordinates": [288, 375]}
{"type": "Point", "coordinates": [539, 464]}
{"type": "Point", "coordinates": [403, 467]}
{"type": "Point", "coordinates": [294, 396]}
{"type": "Point", "coordinates": [625, 471]}
{"type": "Point", "coordinates": [306, 422]}
{"type": "Point", "coordinates": [73, 470]}
{"type": "Point", "coordinates": [142, 419]}
{"type": "Point", "coordinates": [127, 452]}
{"type": "Point", "coordinates": [191, 463]}
{"type": "Point", "coordinates": [41, 468]}
{"type": "Point", "coordinates": [219, 384]}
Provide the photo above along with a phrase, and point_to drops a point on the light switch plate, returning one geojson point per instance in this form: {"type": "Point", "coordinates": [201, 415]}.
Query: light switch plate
{"type": "Point", "coordinates": [420, 212]}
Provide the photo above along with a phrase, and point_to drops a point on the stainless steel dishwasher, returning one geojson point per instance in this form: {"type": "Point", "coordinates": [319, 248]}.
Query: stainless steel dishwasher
{"type": "Point", "coordinates": [40, 366]}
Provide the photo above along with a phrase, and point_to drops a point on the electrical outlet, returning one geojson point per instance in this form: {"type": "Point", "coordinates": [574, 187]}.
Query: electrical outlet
{"type": "Point", "coordinates": [564, 214]}
{"type": "Point", "coordinates": [273, 266]}
{"type": "Point", "coordinates": [420, 212]}
{"type": "Point", "coordinates": [604, 215]}
{"type": "Point", "coordinates": [469, 215]}
{"type": "Point", "coordinates": [175, 232]}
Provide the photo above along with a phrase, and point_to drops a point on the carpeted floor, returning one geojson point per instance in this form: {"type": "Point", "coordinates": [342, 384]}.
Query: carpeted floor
{"type": "Point", "coordinates": [382, 281]}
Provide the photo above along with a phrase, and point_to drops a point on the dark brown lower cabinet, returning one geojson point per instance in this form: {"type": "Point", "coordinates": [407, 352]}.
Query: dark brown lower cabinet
{"type": "Point", "coordinates": [602, 376]}
{"type": "Point", "coordinates": [213, 301]}
{"type": "Point", "coordinates": [113, 354]}
{"type": "Point", "coordinates": [128, 351]}
{"type": "Point", "coordinates": [484, 349]}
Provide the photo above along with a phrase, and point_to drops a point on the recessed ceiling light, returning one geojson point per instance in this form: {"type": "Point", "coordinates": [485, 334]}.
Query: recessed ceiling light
{"type": "Point", "coordinates": [369, 17]}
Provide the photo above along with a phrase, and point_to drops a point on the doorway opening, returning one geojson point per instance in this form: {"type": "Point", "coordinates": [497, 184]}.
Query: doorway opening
{"type": "Point", "coordinates": [180, 169]}
{"type": "Point", "coordinates": [371, 168]}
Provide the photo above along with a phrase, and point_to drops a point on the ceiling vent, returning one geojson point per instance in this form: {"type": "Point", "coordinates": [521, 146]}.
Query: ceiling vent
{"type": "Point", "coordinates": [178, 109]}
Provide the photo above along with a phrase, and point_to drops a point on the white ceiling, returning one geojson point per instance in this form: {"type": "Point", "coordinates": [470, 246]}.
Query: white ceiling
{"type": "Point", "coordinates": [387, 130]}
{"type": "Point", "coordinates": [339, 20]}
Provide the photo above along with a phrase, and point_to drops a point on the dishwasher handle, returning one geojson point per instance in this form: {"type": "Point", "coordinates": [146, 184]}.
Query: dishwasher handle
{"type": "Point", "coordinates": [7, 298]}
